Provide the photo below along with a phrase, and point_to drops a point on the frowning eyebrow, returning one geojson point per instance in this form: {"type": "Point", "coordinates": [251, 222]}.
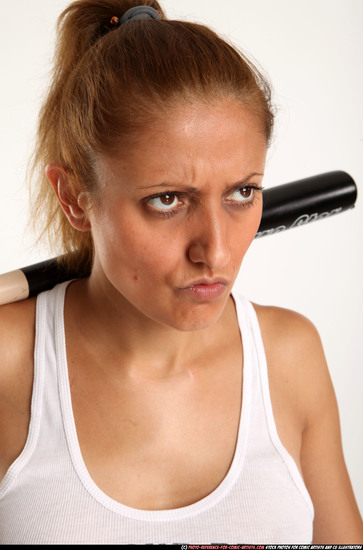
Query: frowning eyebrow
{"type": "Point", "coordinates": [191, 189]}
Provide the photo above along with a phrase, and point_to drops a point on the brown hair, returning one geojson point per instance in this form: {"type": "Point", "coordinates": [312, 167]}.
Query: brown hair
{"type": "Point", "coordinates": [109, 81]}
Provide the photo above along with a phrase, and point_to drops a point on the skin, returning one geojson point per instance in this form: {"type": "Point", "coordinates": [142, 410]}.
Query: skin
{"type": "Point", "coordinates": [154, 367]}
{"type": "Point", "coordinates": [202, 239]}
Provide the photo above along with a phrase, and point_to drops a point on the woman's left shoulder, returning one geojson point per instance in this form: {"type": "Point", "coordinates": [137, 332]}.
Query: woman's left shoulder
{"type": "Point", "coordinates": [297, 366]}
{"type": "Point", "coordinates": [276, 319]}
{"type": "Point", "coordinates": [299, 378]}
{"type": "Point", "coordinates": [290, 337]}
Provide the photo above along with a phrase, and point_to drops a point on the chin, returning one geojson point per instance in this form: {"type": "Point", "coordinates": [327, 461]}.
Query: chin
{"type": "Point", "coordinates": [197, 316]}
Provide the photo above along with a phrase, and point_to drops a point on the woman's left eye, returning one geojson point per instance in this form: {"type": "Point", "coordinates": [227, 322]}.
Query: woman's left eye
{"type": "Point", "coordinates": [243, 194]}
{"type": "Point", "coordinates": [164, 202]}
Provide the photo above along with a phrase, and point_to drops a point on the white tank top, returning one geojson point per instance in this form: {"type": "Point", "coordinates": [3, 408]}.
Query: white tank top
{"type": "Point", "coordinates": [48, 496]}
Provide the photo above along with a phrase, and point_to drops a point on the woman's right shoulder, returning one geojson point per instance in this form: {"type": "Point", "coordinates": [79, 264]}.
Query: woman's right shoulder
{"type": "Point", "coordinates": [17, 337]}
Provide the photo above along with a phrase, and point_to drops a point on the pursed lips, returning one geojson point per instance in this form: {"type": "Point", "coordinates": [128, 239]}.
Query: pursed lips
{"type": "Point", "coordinates": [206, 289]}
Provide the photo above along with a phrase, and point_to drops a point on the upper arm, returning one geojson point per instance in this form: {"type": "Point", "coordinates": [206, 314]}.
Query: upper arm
{"type": "Point", "coordinates": [17, 330]}
{"type": "Point", "coordinates": [300, 377]}
{"type": "Point", "coordinates": [337, 518]}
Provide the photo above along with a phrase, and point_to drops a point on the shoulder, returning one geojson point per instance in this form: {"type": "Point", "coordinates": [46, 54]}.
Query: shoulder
{"type": "Point", "coordinates": [17, 336]}
{"type": "Point", "coordinates": [17, 333]}
{"type": "Point", "coordinates": [296, 358]}
{"type": "Point", "coordinates": [289, 334]}
{"type": "Point", "coordinates": [286, 326]}
{"type": "Point", "coordinates": [291, 341]}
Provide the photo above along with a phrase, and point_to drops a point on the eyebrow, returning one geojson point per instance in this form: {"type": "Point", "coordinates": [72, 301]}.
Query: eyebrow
{"type": "Point", "coordinates": [191, 189]}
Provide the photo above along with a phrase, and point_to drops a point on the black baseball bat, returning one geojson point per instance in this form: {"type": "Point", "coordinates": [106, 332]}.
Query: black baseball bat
{"type": "Point", "coordinates": [284, 207]}
{"type": "Point", "coordinates": [306, 200]}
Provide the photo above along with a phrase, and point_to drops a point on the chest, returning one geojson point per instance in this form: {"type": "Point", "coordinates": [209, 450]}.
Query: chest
{"type": "Point", "coordinates": [159, 443]}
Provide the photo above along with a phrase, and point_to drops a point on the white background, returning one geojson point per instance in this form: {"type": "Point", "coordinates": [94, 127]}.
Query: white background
{"type": "Point", "coordinates": [312, 51]}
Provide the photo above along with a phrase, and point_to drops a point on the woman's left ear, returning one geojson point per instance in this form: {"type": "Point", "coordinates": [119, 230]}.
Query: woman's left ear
{"type": "Point", "coordinates": [73, 205]}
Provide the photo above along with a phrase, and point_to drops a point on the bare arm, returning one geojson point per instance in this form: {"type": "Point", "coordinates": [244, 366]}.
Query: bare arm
{"type": "Point", "coordinates": [337, 518]}
{"type": "Point", "coordinates": [307, 420]}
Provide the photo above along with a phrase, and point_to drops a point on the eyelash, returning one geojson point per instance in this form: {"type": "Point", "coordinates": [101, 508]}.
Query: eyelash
{"type": "Point", "coordinates": [248, 203]}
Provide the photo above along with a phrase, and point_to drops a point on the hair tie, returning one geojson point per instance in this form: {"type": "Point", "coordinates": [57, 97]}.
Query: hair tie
{"type": "Point", "coordinates": [134, 14]}
{"type": "Point", "coordinates": [114, 21]}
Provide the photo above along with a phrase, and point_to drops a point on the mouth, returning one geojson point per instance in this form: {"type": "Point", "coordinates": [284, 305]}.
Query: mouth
{"type": "Point", "coordinates": [206, 290]}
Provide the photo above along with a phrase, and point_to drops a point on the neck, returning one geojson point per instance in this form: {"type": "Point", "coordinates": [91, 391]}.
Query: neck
{"type": "Point", "coordinates": [122, 335]}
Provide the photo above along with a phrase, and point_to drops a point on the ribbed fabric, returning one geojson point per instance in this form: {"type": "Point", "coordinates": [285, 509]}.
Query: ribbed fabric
{"type": "Point", "coordinates": [48, 496]}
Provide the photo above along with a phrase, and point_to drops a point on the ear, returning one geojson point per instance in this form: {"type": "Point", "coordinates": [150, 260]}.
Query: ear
{"type": "Point", "coordinates": [73, 205]}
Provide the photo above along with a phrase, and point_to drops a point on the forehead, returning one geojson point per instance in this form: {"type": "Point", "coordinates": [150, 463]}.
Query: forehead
{"type": "Point", "coordinates": [203, 122]}
{"type": "Point", "coordinates": [190, 137]}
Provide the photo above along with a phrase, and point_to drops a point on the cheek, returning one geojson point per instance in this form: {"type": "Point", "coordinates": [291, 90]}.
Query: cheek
{"type": "Point", "coordinates": [133, 249]}
{"type": "Point", "coordinates": [256, 220]}
{"type": "Point", "coordinates": [244, 235]}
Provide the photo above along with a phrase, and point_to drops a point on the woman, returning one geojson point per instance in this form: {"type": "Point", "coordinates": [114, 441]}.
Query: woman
{"type": "Point", "coordinates": [139, 407]}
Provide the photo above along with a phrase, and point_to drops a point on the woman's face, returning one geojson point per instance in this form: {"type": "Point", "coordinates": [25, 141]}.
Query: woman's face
{"type": "Point", "coordinates": [175, 215]}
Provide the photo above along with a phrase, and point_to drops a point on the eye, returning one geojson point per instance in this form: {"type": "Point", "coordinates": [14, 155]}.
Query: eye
{"type": "Point", "coordinates": [244, 194]}
{"type": "Point", "coordinates": [167, 201]}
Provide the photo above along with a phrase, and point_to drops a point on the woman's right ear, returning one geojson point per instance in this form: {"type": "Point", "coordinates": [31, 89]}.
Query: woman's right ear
{"type": "Point", "coordinates": [70, 202]}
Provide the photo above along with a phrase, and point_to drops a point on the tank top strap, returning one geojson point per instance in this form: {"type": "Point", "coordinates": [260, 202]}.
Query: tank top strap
{"type": "Point", "coordinates": [249, 334]}
{"type": "Point", "coordinates": [45, 375]}
{"type": "Point", "coordinates": [49, 323]}
{"type": "Point", "coordinates": [261, 405]}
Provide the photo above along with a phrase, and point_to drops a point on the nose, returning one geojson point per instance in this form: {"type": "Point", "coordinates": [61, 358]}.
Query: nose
{"type": "Point", "coordinates": [209, 238]}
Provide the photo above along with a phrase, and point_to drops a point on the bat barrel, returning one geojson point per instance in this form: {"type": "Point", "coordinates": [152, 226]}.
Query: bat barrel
{"type": "Point", "coordinates": [306, 200]}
